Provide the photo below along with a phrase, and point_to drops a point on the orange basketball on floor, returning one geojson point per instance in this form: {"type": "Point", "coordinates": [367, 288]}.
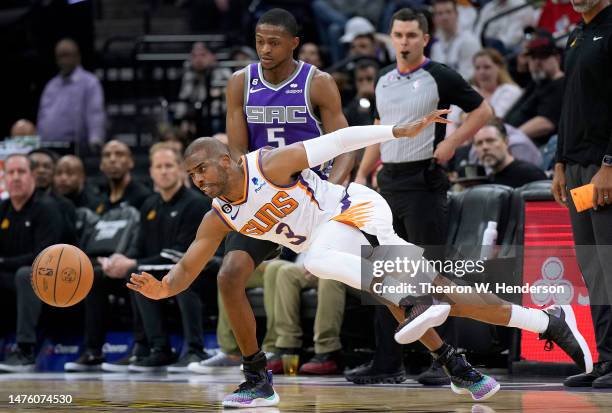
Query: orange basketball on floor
{"type": "Point", "coordinates": [62, 275]}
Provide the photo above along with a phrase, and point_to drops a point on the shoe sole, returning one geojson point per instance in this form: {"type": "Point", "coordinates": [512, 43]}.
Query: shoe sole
{"type": "Point", "coordinates": [17, 369]}
{"type": "Point", "coordinates": [273, 400]}
{"type": "Point", "coordinates": [489, 394]}
{"type": "Point", "coordinates": [570, 320]}
{"type": "Point", "coordinates": [211, 370]}
{"type": "Point", "coordinates": [146, 369]}
{"type": "Point", "coordinates": [171, 369]}
{"type": "Point", "coordinates": [76, 368]}
{"type": "Point", "coordinates": [395, 379]}
{"type": "Point", "coordinates": [432, 317]}
{"type": "Point", "coordinates": [114, 368]}
{"type": "Point", "coordinates": [578, 384]}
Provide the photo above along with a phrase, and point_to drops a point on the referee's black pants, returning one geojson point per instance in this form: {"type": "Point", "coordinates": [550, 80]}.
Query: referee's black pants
{"type": "Point", "coordinates": [593, 238]}
{"type": "Point", "coordinates": [416, 193]}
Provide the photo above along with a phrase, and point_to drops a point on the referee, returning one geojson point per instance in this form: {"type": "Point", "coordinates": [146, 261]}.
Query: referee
{"type": "Point", "coordinates": [411, 179]}
{"type": "Point", "coordinates": [584, 155]}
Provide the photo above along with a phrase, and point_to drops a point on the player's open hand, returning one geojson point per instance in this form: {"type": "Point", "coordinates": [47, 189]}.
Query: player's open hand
{"type": "Point", "coordinates": [412, 129]}
{"type": "Point", "coordinates": [148, 286]}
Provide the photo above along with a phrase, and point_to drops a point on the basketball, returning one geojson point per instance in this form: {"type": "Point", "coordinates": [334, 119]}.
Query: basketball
{"type": "Point", "coordinates": [62, 275]}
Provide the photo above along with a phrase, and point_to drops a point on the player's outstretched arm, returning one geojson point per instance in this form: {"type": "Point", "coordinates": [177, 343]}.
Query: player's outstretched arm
{"type": "Point", "coordinates": [208, 238]}
{"type": "Point", "coordinates": [281, 164]}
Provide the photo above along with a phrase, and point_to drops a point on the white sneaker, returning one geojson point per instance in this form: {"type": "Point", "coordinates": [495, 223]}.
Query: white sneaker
{"type": "Point", "coordinates": [217, 363]}
{"type": "Point", "coordinates": [421, 318]}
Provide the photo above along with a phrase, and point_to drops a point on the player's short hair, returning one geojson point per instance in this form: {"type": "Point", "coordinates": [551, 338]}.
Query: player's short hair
{"type": "Point", "coordinates": [369, 36]}
{"type": "Point", "coordinates": [498, 124]}
{"type": "Point", "coordinates": [54, 157]}
{"type": "Point", "coordinates": [19, 155]}
{"type": "Point", "coordinates": [367, 63]}
{"type": "Point", "coordinates": [213, 147]}
{"type": "Point", "coordinates": [282, 18]}
{"type": "Point", "coordinates": [407, 14]}
{"type": "Point", "coordinates": [454, 3]}
{"type": "Point", "coordinates": [159, 146]}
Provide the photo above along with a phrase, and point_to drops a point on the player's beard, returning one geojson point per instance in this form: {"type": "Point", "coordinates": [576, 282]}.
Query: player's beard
{"type": "Point", "coordinates": [586, 6]}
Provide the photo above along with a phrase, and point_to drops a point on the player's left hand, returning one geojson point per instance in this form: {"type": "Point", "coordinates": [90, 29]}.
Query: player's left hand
{"type": "Point", "coordinates": [444, 151]}
{"type": "Point", "coordinates": [412, 129]}
{"type": "Point", "coordinates": [148, 286]}
{"type": "Point", "coordinates": [602, 191]}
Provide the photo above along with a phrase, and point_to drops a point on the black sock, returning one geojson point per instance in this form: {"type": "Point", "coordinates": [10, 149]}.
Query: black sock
{"type": "Point", "coordinates": [252, 356]}
{"type": "Point", "coordinates": [442, 350]}
{"type": "Point", "coordinates": [27, 348]}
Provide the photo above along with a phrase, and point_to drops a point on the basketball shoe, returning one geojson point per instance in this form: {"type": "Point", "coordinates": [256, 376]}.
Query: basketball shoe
{"type": "Point", "coordinates": [563, 331]}
{"type": "Point", "coordinates": [257, 390]}
{"type": "Point", "coordinates": [420, 317]}
{"type": "Point", "coordinates": [464, 378]}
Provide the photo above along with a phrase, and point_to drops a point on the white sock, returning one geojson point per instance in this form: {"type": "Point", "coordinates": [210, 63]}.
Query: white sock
{"type": "Point", "coordinates": [530, 319]}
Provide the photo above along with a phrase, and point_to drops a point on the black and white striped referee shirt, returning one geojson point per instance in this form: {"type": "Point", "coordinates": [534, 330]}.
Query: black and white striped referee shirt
{"type": "Point", "coordinates": [406, 97]}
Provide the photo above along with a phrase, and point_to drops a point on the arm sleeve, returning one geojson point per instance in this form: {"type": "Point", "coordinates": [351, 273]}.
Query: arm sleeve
{"type": "Point", "coordinates": [324, 148]}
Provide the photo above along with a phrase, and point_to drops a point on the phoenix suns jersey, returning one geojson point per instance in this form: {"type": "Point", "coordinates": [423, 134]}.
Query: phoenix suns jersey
{"type": "Point", "coordinates": [287, 215]}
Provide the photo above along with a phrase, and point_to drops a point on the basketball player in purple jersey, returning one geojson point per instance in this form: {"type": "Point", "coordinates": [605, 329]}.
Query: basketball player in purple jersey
{"type": "Point", "coordinates": [276, 102]}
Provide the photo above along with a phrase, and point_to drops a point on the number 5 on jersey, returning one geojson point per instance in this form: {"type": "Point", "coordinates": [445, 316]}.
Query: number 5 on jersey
{"type": "Point", "coordinates": [274, 138]}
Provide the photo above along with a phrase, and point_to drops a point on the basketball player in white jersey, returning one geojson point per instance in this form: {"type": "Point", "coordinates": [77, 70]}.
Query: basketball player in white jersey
{"type": "Point", "coordinates": [282, 200]}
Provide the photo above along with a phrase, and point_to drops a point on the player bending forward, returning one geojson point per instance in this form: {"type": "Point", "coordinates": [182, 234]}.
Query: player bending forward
{"type": "Point", "coordinates": [273, 195]}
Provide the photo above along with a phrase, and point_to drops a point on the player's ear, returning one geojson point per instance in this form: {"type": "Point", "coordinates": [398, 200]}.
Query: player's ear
{"type": "Point", "coordinates": [295, 42]}
{"type": "Point", "coordinates": [426, 37]}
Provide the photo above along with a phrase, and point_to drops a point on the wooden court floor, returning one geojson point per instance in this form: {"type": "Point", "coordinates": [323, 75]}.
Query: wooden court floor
{"type": "Point", "coordinates": [93, 392]}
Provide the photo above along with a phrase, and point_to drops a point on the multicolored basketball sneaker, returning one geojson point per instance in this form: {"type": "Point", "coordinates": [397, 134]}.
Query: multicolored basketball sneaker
{"type": "Point", "coordinates": [465, 379]}
{"type": "Point", "coordinates": [257, 390]}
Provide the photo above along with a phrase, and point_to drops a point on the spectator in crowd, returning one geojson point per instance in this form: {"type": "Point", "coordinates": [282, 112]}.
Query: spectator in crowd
{"type": "Point", "coordinates": [361, 110]}
{"type": "Point", "coordinates": [493, 82]}
{"type": "Point", "coordinates": [310, 53]}
{"type": "Point", "coordinates": [363, 45]}
{"type": "Point", "coordinates": [43, 169]}
{"type": "Point", "coordinates": [467, 15]}
{"type": "Point", "coordinates": [124, 198]}
{"type": "Point", "coordinates": [71, 107]}
{"type": "Point", "coordinates": [291, 279]}
{"type": "Point", "coordinates": [116, 165]}
{"type": "Point", "coordinates": [363, 39]}
{"type": "Point", "coordinates": [331, 17]}
{"type": "Point", "coordinates": [491, 144]}
{"type": "Point", "coordinates": [584, 156]}
{"type": "Point", "coordinates": [29, 222]}
{"type": "Point", "coordinates": [508, 29]}
{"type": "Point", "coordinates": [537, 112]}
{"type": "Point", "coordinates": [453, 47]}
{"type": "Point", "coordinates": [519, 145]}
{"type": "Point", "coordinates": [169, 220]}
{"type": "Point", "coordinates": [243, 54]}
{"type": "Point", "coordinates": [199, 74]}
{"type": "Point", "coordinates": [69, 181]}
{"type": "Point", "coordinates": [23, 127]}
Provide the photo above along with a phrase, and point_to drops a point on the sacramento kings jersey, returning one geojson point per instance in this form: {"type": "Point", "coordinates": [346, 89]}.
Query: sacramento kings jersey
{"type": "Point", "coordinates": [287, 215]}
{"type": "Point", "coordinates": [279, 115]}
